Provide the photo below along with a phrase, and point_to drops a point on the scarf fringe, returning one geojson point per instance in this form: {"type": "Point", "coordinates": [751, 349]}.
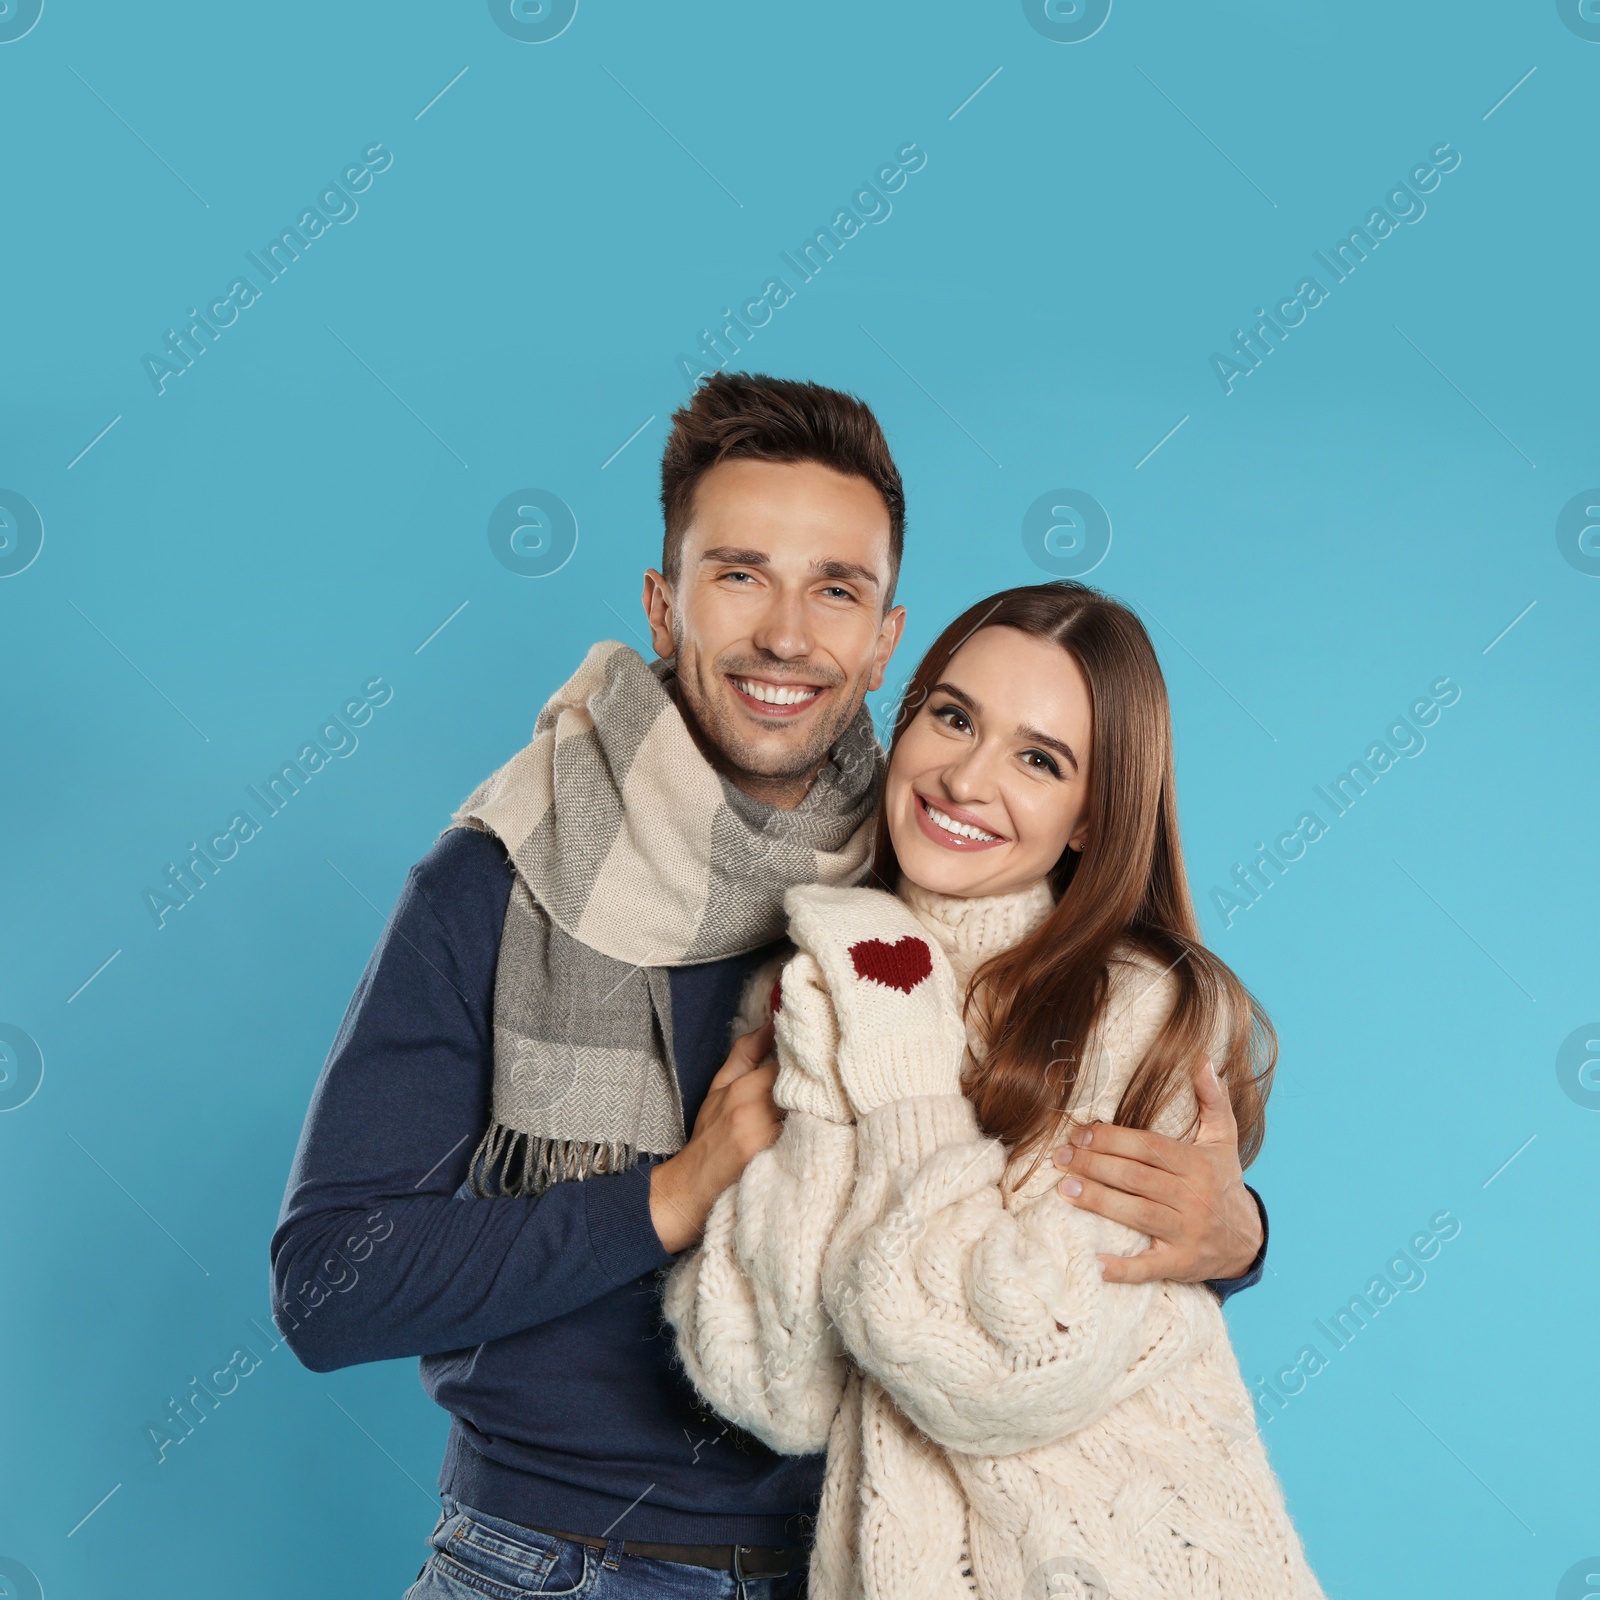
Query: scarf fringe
{"type": "Point", "coordinates": [612, 759]}
{"type": "Point", "coordinates": [511, 1164]}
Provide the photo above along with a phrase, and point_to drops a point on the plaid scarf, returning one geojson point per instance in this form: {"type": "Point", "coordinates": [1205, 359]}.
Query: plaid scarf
{"type": "Point", "coordinates": [632, 856]}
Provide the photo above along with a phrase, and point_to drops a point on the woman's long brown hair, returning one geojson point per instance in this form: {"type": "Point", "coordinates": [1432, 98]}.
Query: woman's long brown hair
{"type": "Point", "coordinates": [1039, 1001]}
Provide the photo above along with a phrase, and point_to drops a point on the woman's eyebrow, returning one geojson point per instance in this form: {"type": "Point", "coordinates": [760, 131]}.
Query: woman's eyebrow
{"type": "Point", "coordinates": [957, 694]}
{"type": "Point", "coordinates": [1033, 735]}
{"type": "Point", "coordinates": [1039, 736]}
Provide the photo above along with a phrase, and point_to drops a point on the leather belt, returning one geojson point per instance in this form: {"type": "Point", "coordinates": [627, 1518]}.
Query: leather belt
{"type": "Point", "coordinates": [742, 1560]}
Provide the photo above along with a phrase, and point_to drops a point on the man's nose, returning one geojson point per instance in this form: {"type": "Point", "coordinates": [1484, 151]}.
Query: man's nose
{"type": "Point", "coordinates": [784, 629]}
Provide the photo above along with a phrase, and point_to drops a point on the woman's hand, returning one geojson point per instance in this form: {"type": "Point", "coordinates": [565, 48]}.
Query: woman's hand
{"type": "Point", "coordinates": [1188, 1196]}
{"type": "Point", "coordinates": [891, 991]}
{"type": "Point", "coordinates": [808, 1044]}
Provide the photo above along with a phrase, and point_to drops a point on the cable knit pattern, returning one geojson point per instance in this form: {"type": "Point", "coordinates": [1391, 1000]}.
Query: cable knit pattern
{"type": "Point", "coordinates": [808, 1044]}
{"type": "Point", "coordinates": [747, 1304]}
{"type": "Point", "coordinates": [1000, 1415]}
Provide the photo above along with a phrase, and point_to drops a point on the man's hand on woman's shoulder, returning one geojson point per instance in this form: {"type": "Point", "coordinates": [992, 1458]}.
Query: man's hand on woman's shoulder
{"type": "Point", "coordinates": [1189, 1196]}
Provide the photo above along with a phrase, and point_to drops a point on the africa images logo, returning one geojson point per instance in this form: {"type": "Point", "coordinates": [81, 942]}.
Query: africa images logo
{"type": "Point", "coordinates": [17, 18]}
{"type": "Point", "coordinates": [870, 203]}
{"type": "Point", "coordinates": [335, 203]}
{"type": "Point", "coordinates": [21, 533]}
{"type": "Point", "coordinates": [1402, 204]}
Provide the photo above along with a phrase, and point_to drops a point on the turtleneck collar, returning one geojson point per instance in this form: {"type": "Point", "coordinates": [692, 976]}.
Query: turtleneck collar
{"type": "Point", "coordinates": [972, 930]}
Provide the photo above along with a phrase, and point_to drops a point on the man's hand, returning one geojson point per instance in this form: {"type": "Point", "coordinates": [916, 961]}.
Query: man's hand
{"type": "Point", "coordinates": [1188, 1197]}
{"type": "Point", "coordinates": [737, 1121]}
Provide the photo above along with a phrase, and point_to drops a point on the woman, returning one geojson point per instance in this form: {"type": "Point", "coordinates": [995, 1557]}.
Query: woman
{"type": "Point", "coordinates": [896, 1278]}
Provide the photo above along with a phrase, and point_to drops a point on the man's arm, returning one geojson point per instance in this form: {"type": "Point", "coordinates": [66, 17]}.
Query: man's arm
{"type": "Point", "coordinates": [1205, 1224]}
{"type": "Point", "coordinates": [1251, 1276]}
{"type": "Point", "coordinates": [378, 1253]}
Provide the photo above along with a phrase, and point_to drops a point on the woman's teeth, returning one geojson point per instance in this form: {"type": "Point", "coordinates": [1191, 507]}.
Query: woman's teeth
{"type": "Point", "coordinates": [962, 830]}
{"type": "Point", "coordinates": [775, 694]}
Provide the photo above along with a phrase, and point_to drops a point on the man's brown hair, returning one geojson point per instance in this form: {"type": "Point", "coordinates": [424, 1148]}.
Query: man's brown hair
{"type": "Point", "coordinates": [748, 415]}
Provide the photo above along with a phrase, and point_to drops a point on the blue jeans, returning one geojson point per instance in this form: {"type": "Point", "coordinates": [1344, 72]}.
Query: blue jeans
{"type": "Point", "coordinates": [474, 1556]}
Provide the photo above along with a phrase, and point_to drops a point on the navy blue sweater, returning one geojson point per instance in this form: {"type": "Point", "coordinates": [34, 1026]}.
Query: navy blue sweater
{"type": "Point", "coordinates": [538, 1321]}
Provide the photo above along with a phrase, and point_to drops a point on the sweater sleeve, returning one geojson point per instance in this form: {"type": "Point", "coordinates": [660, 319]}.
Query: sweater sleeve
{"type": "Point", "coordinates": [983, 1311]}
{"type": "Point", "coordinates": [380, 1250]}
{"type": "Point", "coordinates": [746, 1304]}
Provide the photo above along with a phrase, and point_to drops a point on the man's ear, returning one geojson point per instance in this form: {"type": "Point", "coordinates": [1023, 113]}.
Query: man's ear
{"type": "Point", "coordinates": [658, 609]}
{"type": "Point", "coordinates": [894, 624]}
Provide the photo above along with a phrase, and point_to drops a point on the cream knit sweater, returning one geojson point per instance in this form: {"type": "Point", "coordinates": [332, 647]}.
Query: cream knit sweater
{"type": "Point", "coordinates": [1000, 1422]}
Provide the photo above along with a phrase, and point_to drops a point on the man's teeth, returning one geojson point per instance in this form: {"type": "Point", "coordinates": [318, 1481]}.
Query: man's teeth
{"type": "Point", "coordinates": [962, 830]}
{"type": "Point", "coordinates": [776, 694]}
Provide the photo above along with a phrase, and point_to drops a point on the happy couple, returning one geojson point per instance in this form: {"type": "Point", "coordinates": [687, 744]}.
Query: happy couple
{"type": "Point", "coordinates": [930, 1302]}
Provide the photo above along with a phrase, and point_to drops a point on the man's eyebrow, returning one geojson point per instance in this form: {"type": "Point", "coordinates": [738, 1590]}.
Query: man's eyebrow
{"type": "Point", "coordinates": [729, 556]}
{"type": "Point", "coordinates": [849, 571]}
{"type": "Point", "coordinates": [1035, 735]}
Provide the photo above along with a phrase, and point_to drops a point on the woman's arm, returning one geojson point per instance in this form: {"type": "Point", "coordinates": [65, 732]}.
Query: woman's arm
{"type": "Point", "coordinates": [747, 1302]}
{"type": "Point", "coordinates": [992, 1329]}
{"type": "Point", "coordinates": [986, 1319]}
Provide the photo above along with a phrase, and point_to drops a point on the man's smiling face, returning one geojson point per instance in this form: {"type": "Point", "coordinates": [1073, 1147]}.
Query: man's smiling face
{"type": "Point", "coordinates": [777, 617]}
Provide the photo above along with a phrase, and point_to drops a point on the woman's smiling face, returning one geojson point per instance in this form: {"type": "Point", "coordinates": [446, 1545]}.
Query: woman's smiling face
{"type": "Point", "coordinates": [989, 782]}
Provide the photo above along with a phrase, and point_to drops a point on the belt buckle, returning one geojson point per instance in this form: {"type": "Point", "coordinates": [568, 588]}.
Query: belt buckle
{"type": "Point", "coordinates": [741, 1572]}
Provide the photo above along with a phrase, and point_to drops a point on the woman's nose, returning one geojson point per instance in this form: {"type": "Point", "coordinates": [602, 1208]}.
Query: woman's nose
{"type": "Point", "coordinates": [971, 779]}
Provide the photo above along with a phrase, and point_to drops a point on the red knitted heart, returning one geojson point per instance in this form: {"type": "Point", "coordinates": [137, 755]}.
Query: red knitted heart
{"type": "Point", "coordinates": [902, 965]}
{"type": "Point", "coordinates": [775, 1000]}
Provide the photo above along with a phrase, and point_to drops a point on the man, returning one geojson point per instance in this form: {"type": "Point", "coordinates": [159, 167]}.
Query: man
{"type": "Point", "coordinates": [494, 1172]}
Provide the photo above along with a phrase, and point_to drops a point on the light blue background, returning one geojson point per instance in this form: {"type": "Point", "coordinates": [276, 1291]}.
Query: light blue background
{"type": "Point", "coordinates": [280, 526]}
